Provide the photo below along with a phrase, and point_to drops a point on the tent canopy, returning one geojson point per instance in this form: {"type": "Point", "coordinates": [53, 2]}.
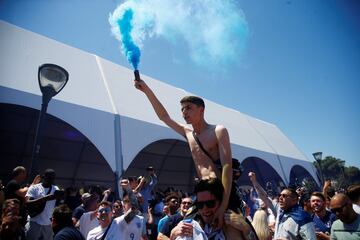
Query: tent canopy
{"type": "Point", "coordinates": [101, 103]}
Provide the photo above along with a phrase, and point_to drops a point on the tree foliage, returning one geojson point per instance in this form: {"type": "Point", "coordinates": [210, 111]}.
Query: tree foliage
{"type": "Point", "coordinates": [335, 170]}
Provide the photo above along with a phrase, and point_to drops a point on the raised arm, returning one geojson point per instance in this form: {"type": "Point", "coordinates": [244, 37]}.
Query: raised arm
{"type": "Point", "coordinates": [226, 162]}
{"type": "Point", "coordinates": [261, 192]}
{"type": "Point", "coordinates": [159, 108]}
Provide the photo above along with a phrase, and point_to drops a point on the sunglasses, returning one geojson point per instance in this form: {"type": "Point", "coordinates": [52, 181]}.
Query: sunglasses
{"type": "Point", "coordinates": [186, 203]}
{"type": "Point", "coordinates": [208, 204]}
{"type": "Point", "coordinates": [104, 210]}
{"type": "Point", "coordinates": [339, 209]}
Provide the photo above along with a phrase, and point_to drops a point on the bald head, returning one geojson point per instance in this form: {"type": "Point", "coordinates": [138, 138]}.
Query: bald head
{"type": "Point", "coordinates": [339, 199]}
{"type": "Point", "coordinates": [341, 205]}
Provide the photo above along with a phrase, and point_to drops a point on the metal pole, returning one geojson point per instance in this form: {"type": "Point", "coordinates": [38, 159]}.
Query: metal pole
{"type": "Point", "coordinates": [33, 169]}
{"type": "Point", "coordinates": [321, 173]}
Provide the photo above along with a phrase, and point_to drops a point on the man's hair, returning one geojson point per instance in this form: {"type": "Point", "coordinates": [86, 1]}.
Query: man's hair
{"type": "Point", "coordinates": [62, 215]}
{"type": "Point", "coordinates": [212, 185]}
{"type": "Point", "coordinates": [319, 195]}
{"type": "Point", "coordinates": [304, 198]}
{"type": "Point", "coordinates": [105, 203]}
{"type": "Point", "coordinates": [292, 191]}
{"type": "Point", "coordinates": [172, 195]}
{"type": "Point", "coordinates": [193, 99]}
{"type": "Point", "coordinates": [16, 171]}
{"type": "Point", "coordinates": [353, 192]}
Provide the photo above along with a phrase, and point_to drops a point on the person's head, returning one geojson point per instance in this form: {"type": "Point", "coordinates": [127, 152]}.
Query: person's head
{"type": "Point", "coordinates": [260, 224]}
{"type": "Point", "coordinates": [353, 192]}
{"type": "Point", "coordinates": [209, 194]}
{"type": "Point", "coordinates": [305, 203]}
{"type": "Point", "coordinates": [318, 202]}
{"type": "Point", "coordinates": [11, 206]}
{"type": "Point", "coordinates": [90, 201]}
{"type": "Point", "coordinates": [166, 210]}
{"type": "Point", "coordinates": [117, 209]}
{"type": "Point", "coordinates": [237, 169]}
{"type": "Point", "coordinates": [49, 177]}
{"type": "Point", "coordinates": [19, 173]}
{"type": "Point", "coordinates": [61, 217]}
{"type": "Point", "coordinates": [192, 108]}
{"type": "Point", "coordinates": [288, 198]}
{"type": "Point", "coordinates": [172, 200]}
{"type": "Point", "coordinates": [185, 204]}
{"type": "Point", "coordinates": [104, 213]}
{"type": "Point", "coordinates": [10, 227]}
{"type": "Point", "coordinates": [341, 205]}
{"type": "Point", "coordinates": [126, 202]}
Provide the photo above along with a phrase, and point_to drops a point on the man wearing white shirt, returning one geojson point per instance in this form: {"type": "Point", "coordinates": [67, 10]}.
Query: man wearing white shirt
{"type": "Point", "coordinates": [104, 216]}
{"type": "Point", "coordinates": [39, 226]}
{"type": "Point", "coordinates": [128, 226]}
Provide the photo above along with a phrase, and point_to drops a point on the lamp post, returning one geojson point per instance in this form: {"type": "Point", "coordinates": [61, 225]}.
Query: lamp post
{"type": "Point", "coordinates": [318, 158]}
{"type": "Point", "coordinates": [342, 166]}
{"type": "Point", "coordinates": [52, 79]}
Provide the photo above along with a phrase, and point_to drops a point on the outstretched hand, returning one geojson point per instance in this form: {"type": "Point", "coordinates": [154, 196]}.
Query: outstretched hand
{"type": "Point", "coordinates": [140, 85]}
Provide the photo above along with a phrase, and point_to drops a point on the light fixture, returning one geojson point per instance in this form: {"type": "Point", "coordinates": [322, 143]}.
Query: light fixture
{"type": "Point", "coordinates": [52, 79]}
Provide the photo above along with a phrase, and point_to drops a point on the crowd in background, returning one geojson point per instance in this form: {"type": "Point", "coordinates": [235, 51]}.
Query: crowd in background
{"type": "Point", "coordinates": [142, 211]}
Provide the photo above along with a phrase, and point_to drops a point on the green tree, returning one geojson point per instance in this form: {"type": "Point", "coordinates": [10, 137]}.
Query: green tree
{"type": "Point", "coordinates": [335, 169]}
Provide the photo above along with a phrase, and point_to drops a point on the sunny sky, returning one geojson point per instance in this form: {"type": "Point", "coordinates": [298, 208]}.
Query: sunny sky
{"type": "Point", "coordinates": [298, 69]}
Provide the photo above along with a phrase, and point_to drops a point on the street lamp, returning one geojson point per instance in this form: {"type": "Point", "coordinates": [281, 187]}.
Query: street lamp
{"type": "Point", "coordinates": [318, 158]}
{"type": "Point", "coordinates": [52, 79]}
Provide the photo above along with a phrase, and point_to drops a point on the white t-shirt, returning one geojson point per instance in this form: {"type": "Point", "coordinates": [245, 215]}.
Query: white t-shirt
{"type": "Point", "coordinates": [87, 224]}
{"type": "Point", "coordinates": [121, 230]}
{"type": "Point", "coordinates": [96, 233]}
{"type": "Point", "coordinates": [38, 191]}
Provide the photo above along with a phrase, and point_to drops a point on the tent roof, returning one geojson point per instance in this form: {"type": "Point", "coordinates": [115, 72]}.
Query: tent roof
{"type": "Point", "coordinates": [99, 89]}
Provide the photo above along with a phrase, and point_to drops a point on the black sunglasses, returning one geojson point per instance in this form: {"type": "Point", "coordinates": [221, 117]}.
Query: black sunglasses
{"type": "Point", "coordinates": [209, 204]}
{"type": "Point", "coordinates": [339, 209]}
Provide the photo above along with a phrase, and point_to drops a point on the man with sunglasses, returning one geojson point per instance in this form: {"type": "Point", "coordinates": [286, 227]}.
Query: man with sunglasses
{"type": "Point", "coordinates": [292, 221]}
{"type": "Point", "coordinates": [209, 195]}
{"type": "Point", "coordinates": [104, 216]}
{"type": "Point", "coordinates": [322, 218]}
{"type": "Point", "coordinates": [173, 220]}
{"type": "Point", "coordinates": [348, 224]}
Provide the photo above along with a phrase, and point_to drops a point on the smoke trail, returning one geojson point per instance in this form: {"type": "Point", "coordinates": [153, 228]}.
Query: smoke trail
{"type": "Point", "coordinates": [215, 31]}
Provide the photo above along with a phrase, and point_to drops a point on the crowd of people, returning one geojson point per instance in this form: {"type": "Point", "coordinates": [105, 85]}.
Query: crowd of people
{"type": "Point", "coordinates": [42, 210]}
{"type": "Point", "coordinates": [218, 208]}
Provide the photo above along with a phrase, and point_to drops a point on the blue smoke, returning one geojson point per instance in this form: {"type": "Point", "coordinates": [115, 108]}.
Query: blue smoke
{"type": "Point", "coordinates": [215, 32]}
{"type": "Point", "coordinates": [130, 49]}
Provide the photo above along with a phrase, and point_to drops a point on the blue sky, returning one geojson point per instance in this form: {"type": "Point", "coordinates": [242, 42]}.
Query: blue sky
{"type": "Point", "coordinates": [300, 68]}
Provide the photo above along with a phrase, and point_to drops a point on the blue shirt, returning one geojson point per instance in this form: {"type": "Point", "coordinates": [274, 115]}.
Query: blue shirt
{"type": "Point", "coordinates": [324, 224]}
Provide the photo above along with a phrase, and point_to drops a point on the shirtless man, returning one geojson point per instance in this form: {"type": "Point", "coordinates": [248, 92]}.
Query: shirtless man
{"type": "Point", "coordinates": [214, 138]}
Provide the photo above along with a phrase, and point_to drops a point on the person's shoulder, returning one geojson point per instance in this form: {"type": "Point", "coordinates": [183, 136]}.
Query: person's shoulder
{"type": "Point", "coordinates": [337, 224]}
{"type": "Point", "coordinates": [69, 233]}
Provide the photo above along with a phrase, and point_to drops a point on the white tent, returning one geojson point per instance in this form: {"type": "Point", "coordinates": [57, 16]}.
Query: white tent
{"type": "Point", "coordinates": [100, 102]}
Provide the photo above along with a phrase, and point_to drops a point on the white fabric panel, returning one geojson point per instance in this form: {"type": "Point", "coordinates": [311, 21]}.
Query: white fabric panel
{"type": "Point", "coordinates": [98, 89]}
{"type": "Point", "coordinates": [23, 52]}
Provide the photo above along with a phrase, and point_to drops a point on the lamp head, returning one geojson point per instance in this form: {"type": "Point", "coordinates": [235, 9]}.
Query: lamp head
{"type": "Point", "coordinates": [52, 79]}
{"type": "Point", "coordinates": [317, 156]}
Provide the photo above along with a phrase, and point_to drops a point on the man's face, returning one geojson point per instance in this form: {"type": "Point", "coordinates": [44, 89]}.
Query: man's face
{"type": "Point", "coordinates": [185, 204]}
{"type": "Point", "coordinates": [287, 200]}
{"type": "Point", "coordinates": [317, 204]}
{"type": "Point", "coordinates": [342, 209]}
{"type": "Point", "coordinates": [104, 213]}
{"type": "Point", "coordinates": [126, 203]}
{"type": "Point", "coordinates": [173, 205]}
{"type": "Point", "coordinates": [191, 112]}
{"type": "Point", "coordinates": [207, 205]}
